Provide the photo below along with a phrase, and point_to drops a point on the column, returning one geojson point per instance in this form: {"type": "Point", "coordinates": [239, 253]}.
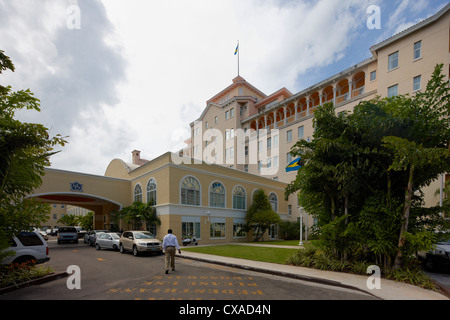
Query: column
{"type": "Point", "coordinates": [350, 88]}
{"type": "Point", "coordinates": [334, 96]}
{"type": "Point", "coordinates": [307, 106]}
{"type": "Point", "coordinates": [295, 108]}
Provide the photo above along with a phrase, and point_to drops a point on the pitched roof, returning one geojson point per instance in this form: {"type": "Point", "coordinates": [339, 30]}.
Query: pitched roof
{"type": "Point", "coordinates": [238, 81]}
{"type": "Point", "coordinates": [411, 29]}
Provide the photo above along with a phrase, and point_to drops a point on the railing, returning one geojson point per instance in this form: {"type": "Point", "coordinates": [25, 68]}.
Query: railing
{"type": "Point", "coordinates": [358, 92]}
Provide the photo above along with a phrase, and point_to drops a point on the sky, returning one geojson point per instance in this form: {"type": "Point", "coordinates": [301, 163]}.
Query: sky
{"type": "Point", "coordinates": [114, 76]}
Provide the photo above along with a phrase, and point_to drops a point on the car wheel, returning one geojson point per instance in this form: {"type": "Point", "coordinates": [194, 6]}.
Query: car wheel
{"type": "Point", "coordinates": [97, 246]}
{"type": "Point", "coordinates": [25, 259]}
{"type": "Point", "coordinates": [135, 251]}
{"type": "Point", "coordinates": [429, 265]}
{"type": "Point", "coordinates": [121, 249]}
{"type": "Point", "coordinates": [115, 248]}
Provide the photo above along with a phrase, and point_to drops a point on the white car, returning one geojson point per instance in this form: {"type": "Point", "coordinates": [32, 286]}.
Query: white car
{"type": "Point", "coordinates": [439, 258]}
{"type": "Point", "coordinates": [28, 246]}
{"type": "Point", "coordinates": [107, 240]}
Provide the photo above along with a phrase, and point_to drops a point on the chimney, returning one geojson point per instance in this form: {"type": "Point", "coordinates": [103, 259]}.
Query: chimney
{"type": "Point", "coordinates": [136, 157]}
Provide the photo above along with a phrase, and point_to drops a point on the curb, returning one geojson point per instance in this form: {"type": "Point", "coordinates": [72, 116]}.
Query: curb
{"type": "Point", "coordinates": [282, 274]}
{"type": "Point", "coordinates": [444, 290]}
{"type": "Point", "coordinates": [51, 277]}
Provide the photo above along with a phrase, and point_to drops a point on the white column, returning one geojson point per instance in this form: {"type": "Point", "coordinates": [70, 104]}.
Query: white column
{"type": "Point", "coordinates": [334, 96]}
{"type": "Point", "coordinates": [307, 106]}
{"type": "Point", "coordinates": [350, 88]}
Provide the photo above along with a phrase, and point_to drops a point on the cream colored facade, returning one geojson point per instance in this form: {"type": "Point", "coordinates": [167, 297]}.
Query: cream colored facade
{"type": "Point", "coordinates": [241, 142]}
{"type": "Point", "coordinates": [214, 211]}
{"type": "Point", "coordinates": [162, 180]}
{"type": "Point", "coordinates": [287, 117]}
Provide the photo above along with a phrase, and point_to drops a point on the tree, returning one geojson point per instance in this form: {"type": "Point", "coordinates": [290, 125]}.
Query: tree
{"type": "Point", "coordinates": [25, 149]}
{"type": "Point", "coordinates": [138, 213]}
{"type": "Point", "coordinates": [69, 220]}
{"type": "Point", "coordinates": [87, 221]}
{"type": "Point", "coordinates": [260, 215]}
{"type": "Point", "coordinates": [363, 173]}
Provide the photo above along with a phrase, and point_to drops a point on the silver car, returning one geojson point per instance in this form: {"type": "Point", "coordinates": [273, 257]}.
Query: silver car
{"type": "Point", "coordinates": [107, 241]}
{"type": "Point", "coordinates": [139, 242]}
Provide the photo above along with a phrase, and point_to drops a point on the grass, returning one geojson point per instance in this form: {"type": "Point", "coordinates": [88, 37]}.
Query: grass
{"type": "Point", "coordinates": [278, 243]}
{"type": "Point", "coordinates": [265, 254]}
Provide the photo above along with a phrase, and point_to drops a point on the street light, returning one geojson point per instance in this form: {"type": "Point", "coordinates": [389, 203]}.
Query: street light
{"type": "Point", "coordinates": [301, 226]}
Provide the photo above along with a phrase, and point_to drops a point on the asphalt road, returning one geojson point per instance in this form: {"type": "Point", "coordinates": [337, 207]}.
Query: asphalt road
{"type": "Point", "coordinates": [110, 275]}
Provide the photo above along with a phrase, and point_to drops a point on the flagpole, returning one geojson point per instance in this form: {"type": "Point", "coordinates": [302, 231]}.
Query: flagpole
{"type": "Point", "coordinates": [239, 50]}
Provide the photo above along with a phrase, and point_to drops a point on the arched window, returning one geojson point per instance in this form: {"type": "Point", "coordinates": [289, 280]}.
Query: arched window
{"type": "Point", "coordinates": [151, 191]}
{"type": "Point", "coordinates": [274, 201]}
{"type": "Point", "coordinates": [138, 193]}
{"type": "Point", "coordinates": [239, 198]}
{"type": "Point", "coordinates": [190, 191]}
{"type": "Point", "coordinates": [217, 195]}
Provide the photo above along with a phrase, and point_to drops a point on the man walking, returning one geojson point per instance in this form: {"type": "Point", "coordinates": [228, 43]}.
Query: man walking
{"type": "Point", "coordinates": [170, 243]}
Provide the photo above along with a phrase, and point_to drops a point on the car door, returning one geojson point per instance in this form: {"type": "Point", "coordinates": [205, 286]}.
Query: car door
{"type": "Point", "coordinates": [127, 240]}
{"type": "Point", "coordinates": [101, 240]}
{"type": "Point", "coordinates": [107, 240]}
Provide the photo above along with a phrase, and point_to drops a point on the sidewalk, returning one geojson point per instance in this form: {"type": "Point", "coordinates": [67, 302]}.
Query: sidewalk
{"type": "Point", "coordinates": [390, 290]}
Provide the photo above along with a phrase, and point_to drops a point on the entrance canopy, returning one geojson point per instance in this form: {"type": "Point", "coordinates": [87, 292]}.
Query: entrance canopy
{"type": "Point", "coordinates": [95, 193]}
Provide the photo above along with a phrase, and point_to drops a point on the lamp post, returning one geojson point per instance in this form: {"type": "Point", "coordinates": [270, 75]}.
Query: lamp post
{"type": "Point", "coordinates": [301, 226]}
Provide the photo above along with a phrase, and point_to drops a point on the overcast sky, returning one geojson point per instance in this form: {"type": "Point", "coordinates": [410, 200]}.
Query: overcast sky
{"type": "Point", "coordinates": [117, 75]}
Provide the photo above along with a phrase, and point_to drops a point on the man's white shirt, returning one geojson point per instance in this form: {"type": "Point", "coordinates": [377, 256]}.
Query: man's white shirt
{"type": "Point", "coordinates": [170, 241]}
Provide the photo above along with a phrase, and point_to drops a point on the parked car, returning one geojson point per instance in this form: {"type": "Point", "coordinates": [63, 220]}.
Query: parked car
{"type": "Point", "coordinates": [108, 240]}
{"type": "Point", "coordinates": [54, 231]}
{"type": "Point", "coordinates": [81, 232]}
{"type": "Point", "coordinates": [43, 234]}
{"type": "Point", "coordinates": [139, 242]}
{"type": "Point", "coordinates": [90, 236]}
{"type": "Point", "coordinates": [28, 246]}
{"type": "Point", "coordinates": [439, 258]}
{"type": "Point", "coordinates": [67, 234]}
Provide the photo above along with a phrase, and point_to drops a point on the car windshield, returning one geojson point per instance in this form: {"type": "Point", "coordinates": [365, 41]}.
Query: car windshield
{"type": "Point", "coordinates": [114, 236]}
{"type": "Point", "coordinates": [144, 235]}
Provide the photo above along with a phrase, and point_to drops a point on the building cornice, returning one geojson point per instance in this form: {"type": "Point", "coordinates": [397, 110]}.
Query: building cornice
{"type": "Point", "coordinates": [374, 49]}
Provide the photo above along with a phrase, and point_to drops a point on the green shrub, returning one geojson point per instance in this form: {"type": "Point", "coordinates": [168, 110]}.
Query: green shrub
{"type": "Point", "coordinates": [314, 257]}
{"type": "Point", "coordinates": [15, 273]}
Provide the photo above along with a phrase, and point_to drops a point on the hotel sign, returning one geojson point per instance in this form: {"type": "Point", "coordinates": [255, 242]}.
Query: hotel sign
{"type": "Point", "coordinates": [76, 186]}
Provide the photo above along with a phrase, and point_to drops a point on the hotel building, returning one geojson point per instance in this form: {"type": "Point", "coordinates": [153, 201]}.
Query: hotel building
{"type": "Point", "coordinates": [241, 142]}
{"type": "Point", "coordinates": [402, 64]}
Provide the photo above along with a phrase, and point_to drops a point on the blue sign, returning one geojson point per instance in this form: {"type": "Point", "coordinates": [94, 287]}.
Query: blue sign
{"type": "Point", "coordinates": [76, 186]}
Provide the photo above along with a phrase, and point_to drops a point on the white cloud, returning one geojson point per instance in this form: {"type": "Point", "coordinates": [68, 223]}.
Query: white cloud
{"type": "Point", "coordinates": [138, 72]}
{"type": "Point", "coordinates": [181, 54]}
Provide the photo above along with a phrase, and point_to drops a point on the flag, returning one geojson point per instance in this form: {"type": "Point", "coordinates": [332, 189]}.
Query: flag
{"type": "Point", "coordinates": [294, 165]}
{"type": "Point", "coordinates": [237, 49]}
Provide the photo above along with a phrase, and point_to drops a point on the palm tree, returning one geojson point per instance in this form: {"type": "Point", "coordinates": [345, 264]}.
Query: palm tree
{"type": "Point", "coordinates": [138, 213]}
